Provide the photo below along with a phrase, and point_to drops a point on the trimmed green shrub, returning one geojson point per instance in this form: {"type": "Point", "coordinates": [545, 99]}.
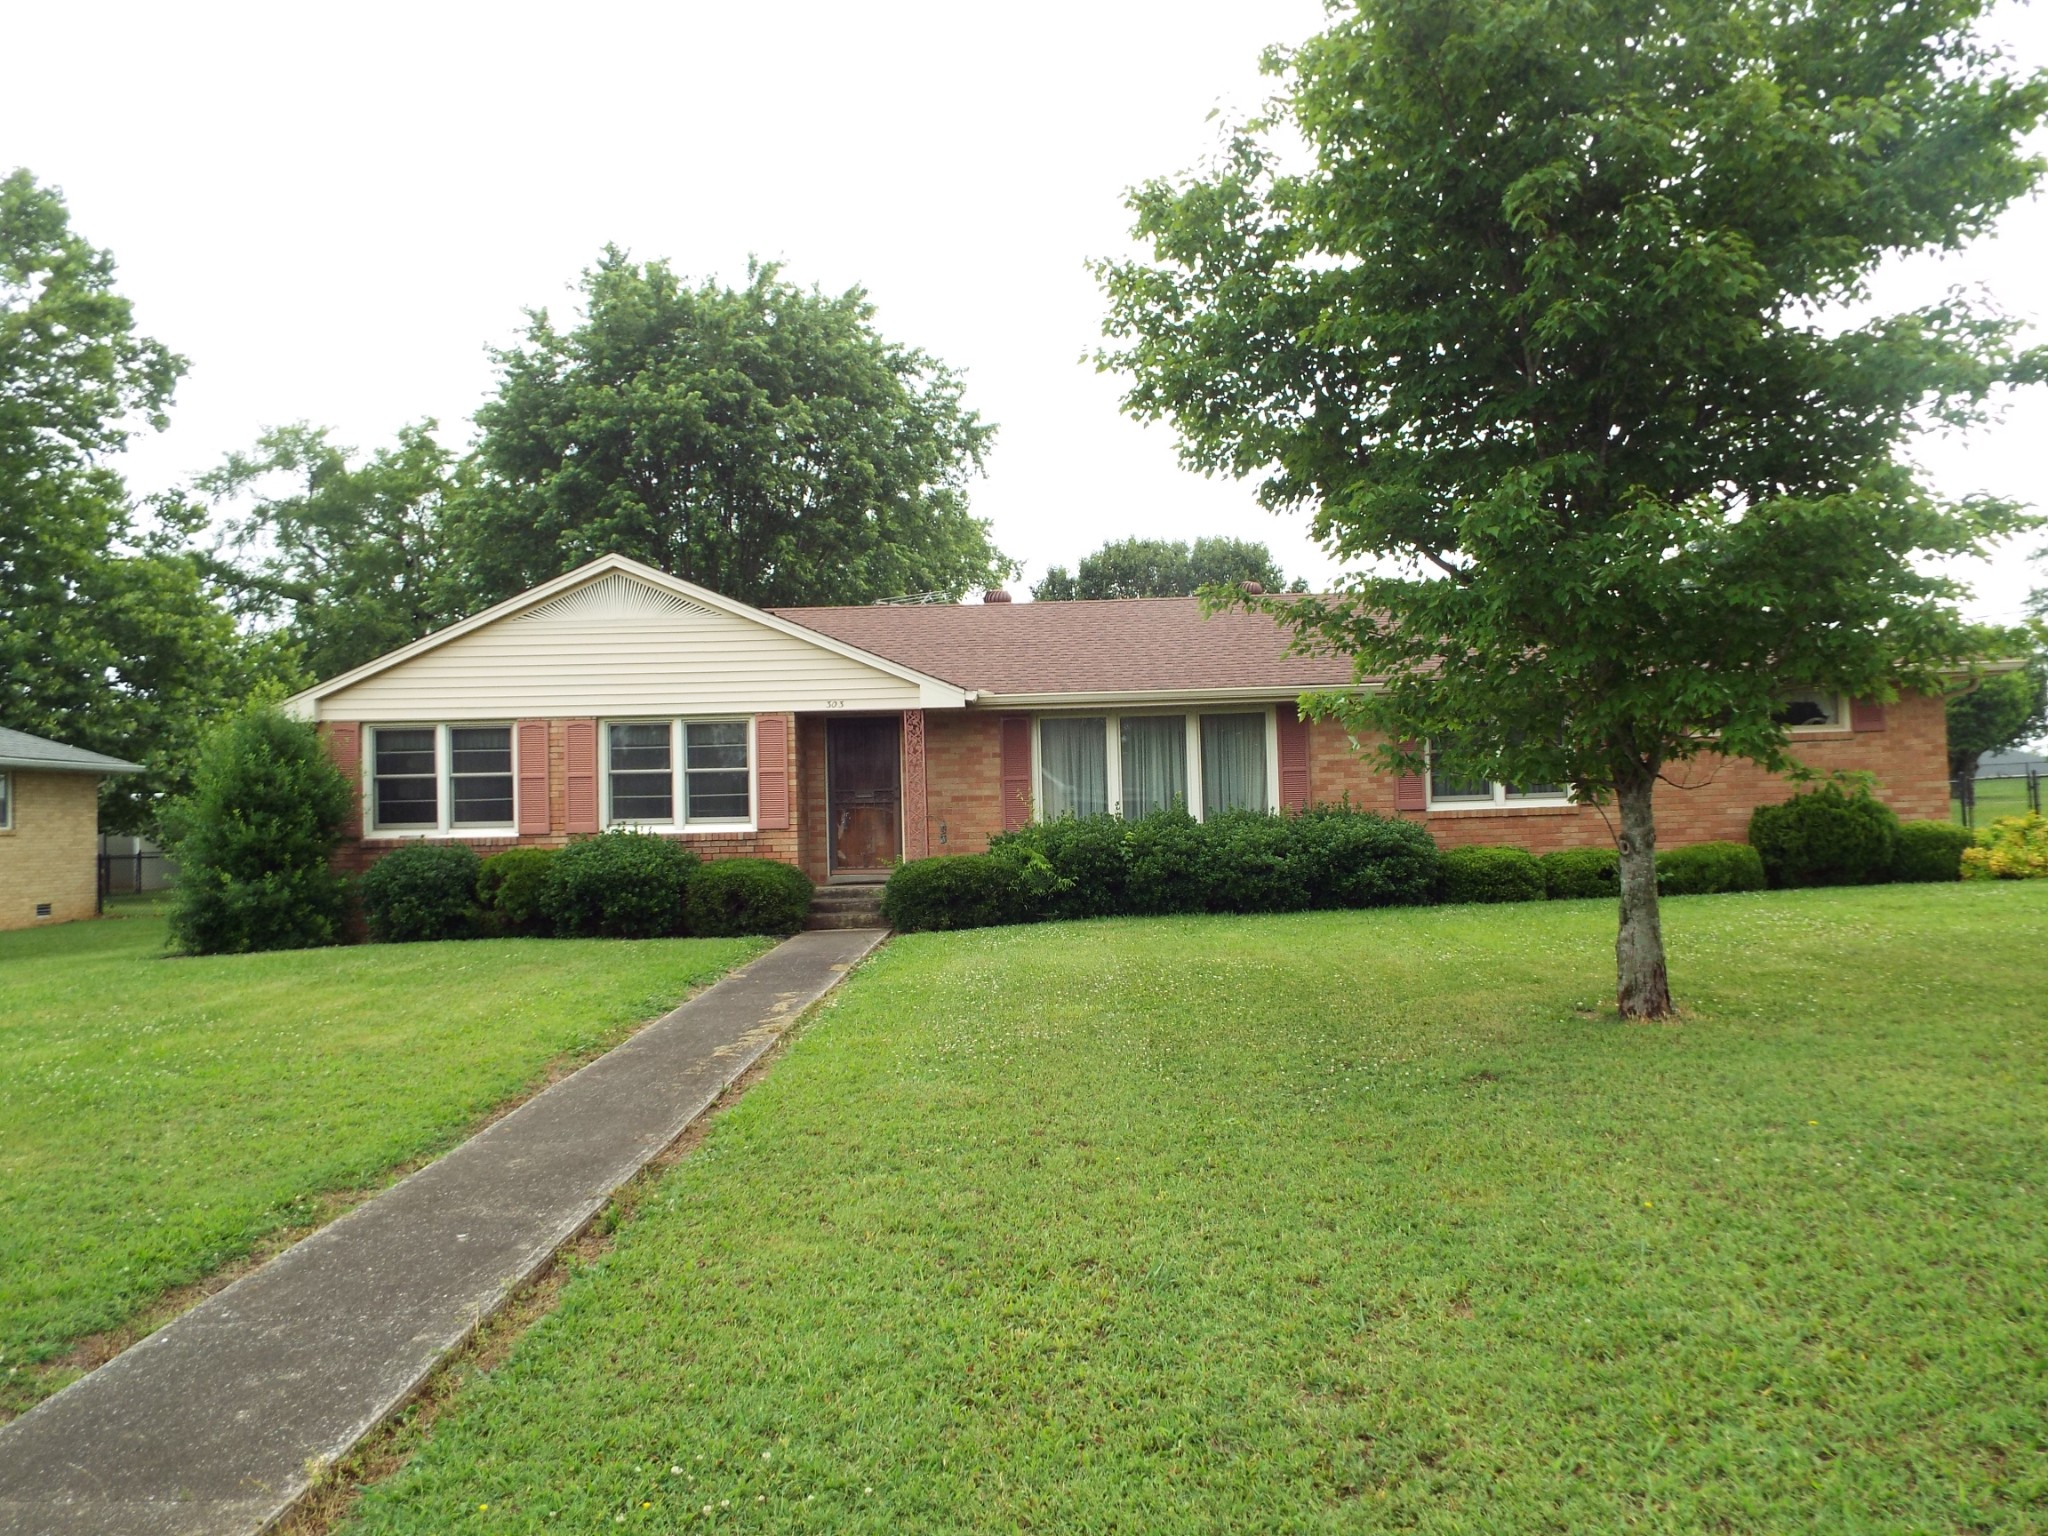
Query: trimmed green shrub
{"type": "Point", "coordinates": [1086, 854]}
{"type": "Point", "coordinates": [1825, 837]}
{"type": "Point", "coordinates": [964, 890]}
{"type": "Point", "coordinates": [1167, 863]}
{"type": "Point", "coordinates": [730, 898]}
{"type": "Point", "coordinates": [1489, 874]}
{"type": "Point", "coordinates": [255, 840]}
{"type": "Point", "coordinates": [1930, 850]}
{"type": "Point", "coordinates": [1356, 859]}
{"type": "Point", "coordinates": [2011, 848]}
{"type": "Point", "coordinates": [1574, 874]}
{"type": "Point", "coordinates": [1708, 869]}
{"type": "Point", "coordinates": [509, 889]}
{"type": "Point", "coordinates": [421, 892]}
{"type": "Point", "coordinates": [618, 885]}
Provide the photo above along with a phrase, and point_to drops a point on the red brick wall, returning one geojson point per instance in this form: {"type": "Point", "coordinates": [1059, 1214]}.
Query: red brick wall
{"type": "Point", "coordinates": [359, 853]}
{"type": "Point", "coordinates": [1709, 800]}
{"type": "Point", "coordinates": [963, 772]}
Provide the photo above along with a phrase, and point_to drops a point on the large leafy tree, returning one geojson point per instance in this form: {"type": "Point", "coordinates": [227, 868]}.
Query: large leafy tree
{"type": "Point", "coordinates": [111, 633]}
{"type": "Point", "coordinates": [349, 560]}
{"type": "Point", "coordinates": [765, 441]}
{"type": "Point", "coordinates": [1525, 299]}
{"type": "Point", "coordinates": [1163, 568]}
{"type": "Point", "coordinates": [2002, 710]}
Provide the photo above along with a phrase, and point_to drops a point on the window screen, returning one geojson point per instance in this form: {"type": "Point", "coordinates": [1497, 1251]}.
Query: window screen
{"type": "Point", "coordinates": [480, 773]}
{"type": "Point", "coordinates": [643, 772]}
{"type": "Point", "coordinates": [407, 786]}
{"type": "Point", "coordinates": [715, 770]}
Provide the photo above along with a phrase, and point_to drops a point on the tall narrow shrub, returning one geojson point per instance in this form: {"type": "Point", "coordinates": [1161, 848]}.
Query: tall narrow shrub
{"type": "Point", "coordinates": [255, 839]}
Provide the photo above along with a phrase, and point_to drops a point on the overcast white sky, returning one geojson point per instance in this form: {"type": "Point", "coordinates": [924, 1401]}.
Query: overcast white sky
{"type": "Point", "coordinates": [333, 210]}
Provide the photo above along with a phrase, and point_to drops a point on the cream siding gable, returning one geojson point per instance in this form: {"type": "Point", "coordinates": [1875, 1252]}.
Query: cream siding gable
{"type": "Point", "coordinates": [616, 645]}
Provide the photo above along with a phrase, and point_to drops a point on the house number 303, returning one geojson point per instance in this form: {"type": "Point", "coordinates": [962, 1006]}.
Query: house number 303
{"type": "Point", "coordinates": [835, 703]}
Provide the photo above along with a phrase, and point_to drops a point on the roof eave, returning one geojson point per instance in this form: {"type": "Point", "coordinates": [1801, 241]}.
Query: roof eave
{"type": "Point", "coordinates": [1264, 693]}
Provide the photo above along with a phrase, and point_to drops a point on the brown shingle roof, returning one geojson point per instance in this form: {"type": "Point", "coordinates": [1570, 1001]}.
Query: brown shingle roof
{"type": "Point", "coordinates": [1132, 645]}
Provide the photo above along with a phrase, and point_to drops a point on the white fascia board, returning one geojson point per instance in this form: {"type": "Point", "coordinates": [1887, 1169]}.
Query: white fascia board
{"type": "Point", "coordinates": [933, 692]}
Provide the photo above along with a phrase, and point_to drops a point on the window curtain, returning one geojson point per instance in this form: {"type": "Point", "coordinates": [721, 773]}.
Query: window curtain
{"type": "Point", "coordinates": [1155, 752]}
{"type": "Point", "coordinates": [1233, 763]}
{"type": "Point", "coordinates": [1074, 763]}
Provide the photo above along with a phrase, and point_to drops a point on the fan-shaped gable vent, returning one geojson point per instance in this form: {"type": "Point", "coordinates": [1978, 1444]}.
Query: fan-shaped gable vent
{"type": "Point", "coordinates": [614, 596]}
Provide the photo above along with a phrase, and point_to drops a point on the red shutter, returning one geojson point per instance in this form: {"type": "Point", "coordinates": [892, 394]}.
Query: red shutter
{"type": "Point", "coordinates": [1016, 771]}
{"type": "Point", "coordinates": [1411, 790]}
{"type": "Point", "coordinates": [771, 775]}
{"type": "Point", "coordinates": [532, 768]}
{"type": "Point", "coordinates": [1866, 715]}
{"type": "Point", "coordinates": [1293, 744]}
{"type": "Point", "coordinates": [579, 775]}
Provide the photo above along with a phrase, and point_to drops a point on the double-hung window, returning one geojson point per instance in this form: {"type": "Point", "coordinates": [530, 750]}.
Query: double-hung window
{"type": "Point", "coordinates": [679, 773]}
{"type": "Point", "coordinates": [1133, 765]}
{"type": "Point", "coordinates": [441, 778]}
{"type": "Point", "coordinates": [1454, 788]}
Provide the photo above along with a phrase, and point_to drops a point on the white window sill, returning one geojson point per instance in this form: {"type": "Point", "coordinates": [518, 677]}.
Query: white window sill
{"type": "Point", "coordinates": [1509, 808]}
{"type": "Point", "coordinates": [695, 829]}
{"type": "Point", "coordinates": [436, 834]}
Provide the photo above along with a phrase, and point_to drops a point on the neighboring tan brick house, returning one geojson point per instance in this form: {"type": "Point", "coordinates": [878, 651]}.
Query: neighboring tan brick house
{"type": "Point", "coordinates": [845, 739]}
{"type": "Point", "coordinates": [49, 829]}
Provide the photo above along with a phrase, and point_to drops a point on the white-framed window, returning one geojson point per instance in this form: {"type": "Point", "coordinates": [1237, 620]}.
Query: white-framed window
{"type": "Point", "coordinates": [1454, 789]}
{"type": "Point", "coordinates": [684, 774]}
{"type": "Point", "coordinates": [440, 778]}
{"type": "Point", "coordinates": [1135, 764]}
{"type": "Point", "coordinates": [1809, 709]}
{"type": "Point", "coordinates": [6, 801]}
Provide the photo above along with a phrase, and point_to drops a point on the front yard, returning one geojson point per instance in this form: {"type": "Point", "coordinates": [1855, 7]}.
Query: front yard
{"type": "Point", "coordinates": [1333, 1222]}
{"type": "Point", "coordinates": [162, 1117]}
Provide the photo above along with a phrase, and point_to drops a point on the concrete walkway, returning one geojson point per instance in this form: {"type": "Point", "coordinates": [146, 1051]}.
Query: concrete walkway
{"type": "Point", "coordinates": [215, 1423]}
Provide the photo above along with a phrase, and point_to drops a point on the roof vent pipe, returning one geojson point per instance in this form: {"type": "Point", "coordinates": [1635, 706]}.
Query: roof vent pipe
{"type": "Point", "coordinates": [995, 595]}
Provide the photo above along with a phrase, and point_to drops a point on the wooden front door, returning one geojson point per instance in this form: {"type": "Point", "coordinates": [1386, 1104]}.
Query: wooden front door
{"type": "Point", "coordinates": [863, 768]}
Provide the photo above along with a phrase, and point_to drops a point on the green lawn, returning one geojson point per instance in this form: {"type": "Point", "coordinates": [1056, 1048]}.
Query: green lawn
{"type": "Point", "coordinates": [159, 1116]}
{"type": "Point", "coordinates": [1335, 1222]}
{"type": "Point", "coordinates": [1995, 798]}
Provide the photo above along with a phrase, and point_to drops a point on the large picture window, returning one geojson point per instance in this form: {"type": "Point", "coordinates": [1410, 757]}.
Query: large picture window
{"type": "Point", "coordinates": [679, 773]}
{"type": "Point", "coordinates": [1133, 765]}
{"type": "Point", "coordinates": [440, 778]}
{"type": "Point", "coordinates": [1233, 763]}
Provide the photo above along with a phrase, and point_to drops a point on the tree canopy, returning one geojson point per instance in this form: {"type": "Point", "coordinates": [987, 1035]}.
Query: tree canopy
{"type": "Point", "coordinates": [112, 633]}
{"type": "Point", "coordinates": [350, 560]}
{"type": "Point", "coordinates": [1544, 327]}
{"type": "Point", "coordinates": [765, 441]}
{"type": "Point", "coordinates": [2001, 711]}
{"type": "Point", "coordinates": [1163, 568]}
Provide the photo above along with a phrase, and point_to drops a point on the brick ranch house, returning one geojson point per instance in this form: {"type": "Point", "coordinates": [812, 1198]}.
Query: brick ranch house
{"type": "Point", "coordinates": [842, 740]}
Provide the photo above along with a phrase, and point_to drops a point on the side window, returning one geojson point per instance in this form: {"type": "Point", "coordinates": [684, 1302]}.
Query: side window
{"type": "Point", "coordinates": [1810, 709]}
{"type": "Point", "coordinates": [715, 770]}
{"type": "Point", "coordinates": [480, 775]}
{"type": "Point", "coordinates": [405, 786]}
{"type": "Point", "coordinates": [643, 785]}
{"type": "Point", "coordinates": [6, 801]}
{"type": "Point", "coordinates": [1074, 766]}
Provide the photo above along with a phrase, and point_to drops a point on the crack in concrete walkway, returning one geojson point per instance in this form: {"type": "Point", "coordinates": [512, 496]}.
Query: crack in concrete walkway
{"type": "Point", "coordinates": [219, 1420]}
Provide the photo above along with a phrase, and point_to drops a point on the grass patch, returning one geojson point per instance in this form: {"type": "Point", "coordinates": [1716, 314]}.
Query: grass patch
{"type": "Point", "coordinates": [1332, 1222]}
{"type": "Point", "coordinates": [161, 1118]}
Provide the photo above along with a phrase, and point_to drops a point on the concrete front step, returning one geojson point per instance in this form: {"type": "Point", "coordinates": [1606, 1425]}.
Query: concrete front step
{"type": "Point", "coordinates": [822, 920]}
{"type": "Point", "coordinates": [846, 906]}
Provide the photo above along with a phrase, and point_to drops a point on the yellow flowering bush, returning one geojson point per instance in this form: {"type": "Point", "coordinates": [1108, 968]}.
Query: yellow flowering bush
{"type": "Point", "coordinates": [2011, 848]}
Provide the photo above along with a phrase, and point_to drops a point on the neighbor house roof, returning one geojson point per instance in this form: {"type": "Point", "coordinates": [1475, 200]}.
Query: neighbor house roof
{"type": "Point", "coordinates": [1039, 651]}
{"type": "Point", "coordinates": [18, 749]}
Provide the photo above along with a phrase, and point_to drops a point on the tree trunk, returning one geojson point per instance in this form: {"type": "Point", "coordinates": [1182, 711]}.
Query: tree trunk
{"type": "Point", "coordinates": [1642, 985]}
